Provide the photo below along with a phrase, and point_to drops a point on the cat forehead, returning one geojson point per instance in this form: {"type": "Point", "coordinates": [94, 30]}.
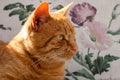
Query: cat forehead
{"type": "Point", "coordinates": [57, 16]}
{"type": "Point", "coordinates": [61, 22]}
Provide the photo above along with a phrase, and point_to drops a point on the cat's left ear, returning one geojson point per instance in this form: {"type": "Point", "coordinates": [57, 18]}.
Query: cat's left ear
{"type": "Point", "coordinates": [64, 10]}
{"type": "Point", "coordinates": [41, 14]}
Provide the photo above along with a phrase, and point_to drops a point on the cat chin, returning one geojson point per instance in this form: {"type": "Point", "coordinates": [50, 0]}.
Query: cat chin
{"type": "Point", "coordinates": [61, 59]}
{"type": "Point", "coordinates": [53, 60]}
{"type": "Point", "coordinates": [58, 60]}
{"type": "Point", "coordinates": [67, 57]}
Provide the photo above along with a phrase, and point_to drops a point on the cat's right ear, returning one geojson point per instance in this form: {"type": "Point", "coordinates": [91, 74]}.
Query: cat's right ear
{"type": "Point", "coordinates": [64, 10]}
{"type": "Point", "coordinates": [40, 15]}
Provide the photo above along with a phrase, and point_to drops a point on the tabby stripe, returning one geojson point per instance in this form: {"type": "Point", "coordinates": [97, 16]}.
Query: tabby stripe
{"type": "Point", "coordinates": [47, 42]}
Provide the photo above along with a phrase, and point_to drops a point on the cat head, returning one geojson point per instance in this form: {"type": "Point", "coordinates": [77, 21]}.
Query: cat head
{"type": "Point", "coordinates": [50, 35]}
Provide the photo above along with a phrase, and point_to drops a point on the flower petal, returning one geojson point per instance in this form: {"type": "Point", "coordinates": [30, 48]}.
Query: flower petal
{"type": "Point", "coordinates": [99, 32]}
{"type": "Point", "coordinates": [82, 37]}
{"type": "Point", "coordinates": [80, 13]}
{"type": "Point", "coordinates": [96, 30]}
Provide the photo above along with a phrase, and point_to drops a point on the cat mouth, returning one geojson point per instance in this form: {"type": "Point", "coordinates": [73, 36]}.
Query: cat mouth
{"type": "Point", "coordinates": [63, 56]}
{"type": "Point", "coordinates": [70, 55]}
{"type": "Point", "coordinates": [67, 55]}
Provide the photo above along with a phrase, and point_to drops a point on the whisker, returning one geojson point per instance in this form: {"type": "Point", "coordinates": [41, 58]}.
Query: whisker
{"type": "Point", "coordinates": [37, 59]}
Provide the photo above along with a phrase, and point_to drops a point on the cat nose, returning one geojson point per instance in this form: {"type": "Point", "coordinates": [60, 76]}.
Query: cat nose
{"type": "Point", "coordinates": [75, 48]}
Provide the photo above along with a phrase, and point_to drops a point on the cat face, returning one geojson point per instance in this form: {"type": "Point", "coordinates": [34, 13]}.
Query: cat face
{"type": "Point", "coordinates": [51, 36]}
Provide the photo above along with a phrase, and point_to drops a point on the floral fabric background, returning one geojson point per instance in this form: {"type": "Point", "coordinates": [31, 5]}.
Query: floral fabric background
{"type": "Point", "coordinates": [97, 25]}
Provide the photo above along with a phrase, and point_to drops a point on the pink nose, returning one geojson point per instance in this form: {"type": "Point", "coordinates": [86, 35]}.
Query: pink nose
{"type": "Point", "coordinates": [75, 48]}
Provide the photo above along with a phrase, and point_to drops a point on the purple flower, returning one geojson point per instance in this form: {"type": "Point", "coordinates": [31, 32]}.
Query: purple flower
{"type": "Point", "coordinates": [81, 13]}
{"type": "Point", "coordinates": [94, 36]}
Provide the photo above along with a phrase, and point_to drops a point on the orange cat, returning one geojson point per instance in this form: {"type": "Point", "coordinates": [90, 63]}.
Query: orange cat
{"type": "Point", "coordinates": [42, 47]}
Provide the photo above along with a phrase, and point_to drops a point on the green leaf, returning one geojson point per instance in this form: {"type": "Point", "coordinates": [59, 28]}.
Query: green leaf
{"type": "Point", "coordinates": [23, 22]}
{"type": "Point", "coordinates": [79, 59]}
{"type": "Point", "coordinates": [114, 16]}
{"type": "Point", "coordinates": [76, 26]}
{"type": "Point", "coordinates": [23, 16]}
{"type": "Point", "coordinates": [84, 73]}
{"type": "Point", "coordinates": [30, 8]}
{"type": "Point", "coordinates": [16, 12]}
{"type": "Point", "coordinates": [102, 64]}
{"type": "Point", "coordinates": [4, 28]}
{"type": "Point", "coordinates": [13, 5]}
{"type": "Point", "coordinates": [9, 28]}
{"type": "Point", "coordinates": [70, 74]}
{"type": "Point", "coordinates": [114, 32]}
{"type": "Point", "coordinates": [93, 39]}
{"type": "Point", "coordinates": [58, 7]}
{"type": "Point", "coordinates": [66, 78]}
{"type": "Point", "coordinates": [111, 58]}
{"type": "Point", "coordinates": [88, 60]}
{"type": "Point", "coordinates": [97, 65]}
{"type": "Point", "coordinates": [116, 6]}
{"type": "Point", "coordinates": [40, 1]}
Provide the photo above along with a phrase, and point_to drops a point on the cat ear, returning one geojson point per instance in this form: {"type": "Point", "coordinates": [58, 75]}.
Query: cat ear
{"type": "Point", "coordinates": [41, 14]}
{"type": "Point", "coordinates": [64, 10]}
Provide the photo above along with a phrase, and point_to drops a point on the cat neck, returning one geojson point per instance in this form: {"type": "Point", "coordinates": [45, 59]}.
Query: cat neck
{"type": "Point", "coordinates": [18, 42]}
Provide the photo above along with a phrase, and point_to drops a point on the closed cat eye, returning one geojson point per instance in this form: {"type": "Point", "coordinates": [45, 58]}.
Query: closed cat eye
{"type": "Point", "coordinates": [60, 37]}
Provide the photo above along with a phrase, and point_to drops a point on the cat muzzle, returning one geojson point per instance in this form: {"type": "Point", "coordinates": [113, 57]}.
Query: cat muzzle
{"type": "Point", "coordinates": [75, 49]}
